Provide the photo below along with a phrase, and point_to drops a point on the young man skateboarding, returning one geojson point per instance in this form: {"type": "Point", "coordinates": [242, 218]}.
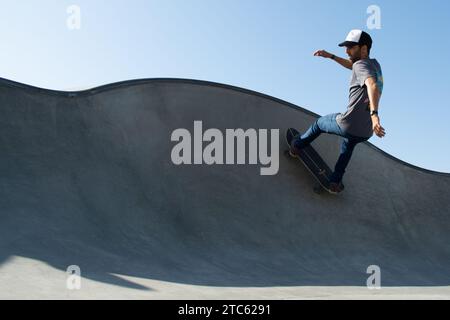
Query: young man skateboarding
{"type": "Point", "coordinates": [361, 119]}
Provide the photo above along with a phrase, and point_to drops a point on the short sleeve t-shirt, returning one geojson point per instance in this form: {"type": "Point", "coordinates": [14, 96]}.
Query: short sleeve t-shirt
{"type": "Point", "coordinates": [356, 120]}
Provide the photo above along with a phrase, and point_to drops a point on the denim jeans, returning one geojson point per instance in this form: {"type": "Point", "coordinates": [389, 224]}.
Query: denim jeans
{"type": "Point", "coordinates": [328, 124]}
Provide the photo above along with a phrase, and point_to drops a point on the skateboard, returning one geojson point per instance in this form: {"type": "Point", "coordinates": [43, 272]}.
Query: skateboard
{"type": "Point", "coordinates": [313, 162]}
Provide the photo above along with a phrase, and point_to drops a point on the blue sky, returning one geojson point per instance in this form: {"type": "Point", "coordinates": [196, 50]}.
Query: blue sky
{"type": "Point", "coordinates": [266, 46]}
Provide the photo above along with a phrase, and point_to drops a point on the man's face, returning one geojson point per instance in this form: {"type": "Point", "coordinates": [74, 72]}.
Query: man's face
{"type": "Point", "coordinates": [354, 53]}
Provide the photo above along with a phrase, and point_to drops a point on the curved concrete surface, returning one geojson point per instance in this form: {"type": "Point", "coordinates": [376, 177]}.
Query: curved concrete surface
{"type": "Point", "coordinates": [87, 179]}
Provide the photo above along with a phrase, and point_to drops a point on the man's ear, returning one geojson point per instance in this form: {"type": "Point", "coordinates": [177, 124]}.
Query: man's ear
{"type": "Point", "coordinates": [364, 49]}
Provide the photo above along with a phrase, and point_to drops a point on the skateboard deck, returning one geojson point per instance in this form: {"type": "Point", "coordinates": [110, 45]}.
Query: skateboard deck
{"type": "Point", "coordinates": [313, 162]}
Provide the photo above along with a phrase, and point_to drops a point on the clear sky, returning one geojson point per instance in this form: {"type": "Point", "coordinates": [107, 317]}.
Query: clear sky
{"type": "Point", "coordinates": [266, 46]}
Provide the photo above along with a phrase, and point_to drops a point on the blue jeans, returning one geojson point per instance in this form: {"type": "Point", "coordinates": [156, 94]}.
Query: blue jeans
{"type": "Point", "coordinates": [328, 124]}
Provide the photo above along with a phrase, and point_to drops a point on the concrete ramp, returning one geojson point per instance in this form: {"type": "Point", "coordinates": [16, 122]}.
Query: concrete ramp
{"type": "Point", "coordinates": [87, 179]}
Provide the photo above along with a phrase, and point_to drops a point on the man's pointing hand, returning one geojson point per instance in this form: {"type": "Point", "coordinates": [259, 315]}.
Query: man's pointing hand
{"type": "Point", "coordinates": [322, 53]}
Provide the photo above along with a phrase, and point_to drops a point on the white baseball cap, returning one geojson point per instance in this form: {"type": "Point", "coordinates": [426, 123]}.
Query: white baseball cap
{"type": "Point", "coordinates": [357, 37]}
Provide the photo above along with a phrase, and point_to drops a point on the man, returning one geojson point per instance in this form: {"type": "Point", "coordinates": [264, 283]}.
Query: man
{"type": "Point", "coordinates": [361, 119]}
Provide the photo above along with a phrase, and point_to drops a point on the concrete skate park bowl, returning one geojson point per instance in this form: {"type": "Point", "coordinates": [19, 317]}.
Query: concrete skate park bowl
{"type": "Point", "coordinates": [87, 179]}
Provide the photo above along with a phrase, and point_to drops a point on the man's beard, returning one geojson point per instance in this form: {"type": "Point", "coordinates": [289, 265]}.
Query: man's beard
{"type": "Point", "coordinates": [355, 59]}
{"type": "Point", "coordinates": [356, 56]}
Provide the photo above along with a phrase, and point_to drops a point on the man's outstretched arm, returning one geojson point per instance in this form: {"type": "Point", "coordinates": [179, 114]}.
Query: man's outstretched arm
{"type": "Point", "coordinates": [346, 63]}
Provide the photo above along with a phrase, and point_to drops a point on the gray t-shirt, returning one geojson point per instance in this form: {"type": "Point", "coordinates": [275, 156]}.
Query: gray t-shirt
{"type": "Point", "coordinates": [356, 120]}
